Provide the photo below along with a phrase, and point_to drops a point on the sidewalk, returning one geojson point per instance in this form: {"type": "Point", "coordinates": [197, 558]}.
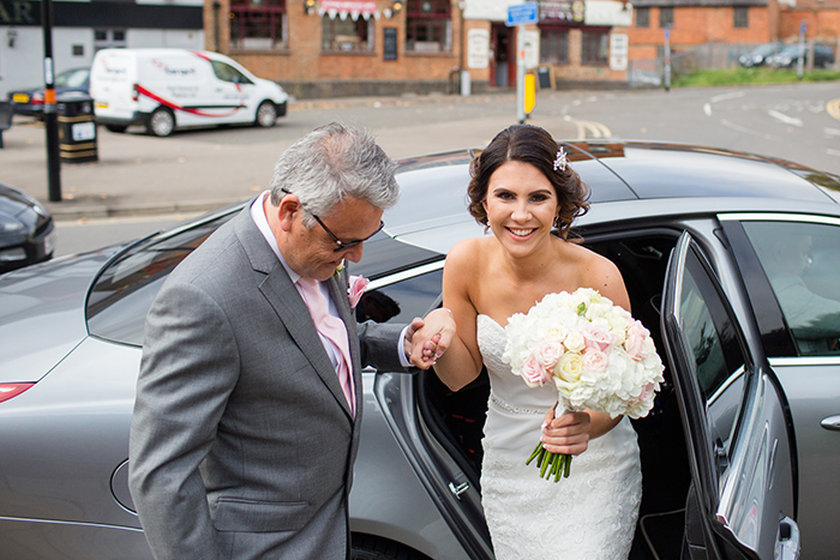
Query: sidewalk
{"type": "Point", "coordinates": [201, 170]}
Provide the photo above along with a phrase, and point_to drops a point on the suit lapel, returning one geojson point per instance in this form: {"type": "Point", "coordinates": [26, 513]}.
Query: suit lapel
{"type": "Point", "coordinates": [282, 295]}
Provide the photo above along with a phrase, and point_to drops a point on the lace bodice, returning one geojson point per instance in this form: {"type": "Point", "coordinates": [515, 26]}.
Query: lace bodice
{"type": "Point", "coordinates": [591, 514]}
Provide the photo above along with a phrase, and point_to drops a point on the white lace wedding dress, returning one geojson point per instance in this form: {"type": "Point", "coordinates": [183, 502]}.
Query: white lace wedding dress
{"type": "Point", "coordinates": [589, 515]}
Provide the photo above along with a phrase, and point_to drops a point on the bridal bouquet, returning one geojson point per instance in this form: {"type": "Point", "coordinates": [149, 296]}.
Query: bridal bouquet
{"type": "Point", "coordinates": [595, 353]}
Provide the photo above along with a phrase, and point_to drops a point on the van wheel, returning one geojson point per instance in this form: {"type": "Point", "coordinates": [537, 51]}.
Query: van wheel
{"type": "Point", "coordinates": [266, 114]}
{"type": "Point", "coordinates": [161, 122]}
{"type": "Point", "coordinates": [116, 127]}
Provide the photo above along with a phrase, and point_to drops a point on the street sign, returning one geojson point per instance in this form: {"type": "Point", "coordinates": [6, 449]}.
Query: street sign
{"type": "Point", "coordinates": [520, 14]}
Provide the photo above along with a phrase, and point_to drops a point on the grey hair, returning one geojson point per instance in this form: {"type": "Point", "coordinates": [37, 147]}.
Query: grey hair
{"type": "Point", "coordinates": [330, 163]}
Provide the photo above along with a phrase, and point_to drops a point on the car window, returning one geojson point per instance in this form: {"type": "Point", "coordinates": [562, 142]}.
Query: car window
{"type": "Point", "coordinates": [713, 339]}
{"type": "Point", "coordinates": [800, 261]}
{"type": "Point", "coordinates": [400, 301]}
{"type": "Point", "coordinates": [228, 73]}
{"type": "Point", "coordinates": [123, 293]}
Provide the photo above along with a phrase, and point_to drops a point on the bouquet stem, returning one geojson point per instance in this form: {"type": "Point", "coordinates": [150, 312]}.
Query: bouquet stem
{"type": "Point", "coordinates": [554, 465]}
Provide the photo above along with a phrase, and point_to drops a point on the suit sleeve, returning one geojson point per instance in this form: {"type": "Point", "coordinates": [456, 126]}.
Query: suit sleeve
{"type": "Point", "coordinates": [189, 368]}
{"type": "Point", "coordinates": [380, 345]}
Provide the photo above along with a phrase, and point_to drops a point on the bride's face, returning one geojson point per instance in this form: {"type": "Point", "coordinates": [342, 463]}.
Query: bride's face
{"type": "Point", "coordinates": [521, 205]}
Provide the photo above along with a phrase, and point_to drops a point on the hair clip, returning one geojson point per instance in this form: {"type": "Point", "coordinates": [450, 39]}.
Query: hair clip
{"type": "Point", "coordinates": [560, 160]}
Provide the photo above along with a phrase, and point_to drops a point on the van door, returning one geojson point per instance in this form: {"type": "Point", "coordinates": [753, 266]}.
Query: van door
{"type": "Point", "coordinates": [741, 499]}
{"type": "Point", "coordinates": [233, 91]}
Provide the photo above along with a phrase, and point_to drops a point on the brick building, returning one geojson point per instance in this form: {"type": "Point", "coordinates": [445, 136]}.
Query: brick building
{"type": "Point", "coordinates": [355, 47]}
{"type": "Point", "coordinates": [729, 22]}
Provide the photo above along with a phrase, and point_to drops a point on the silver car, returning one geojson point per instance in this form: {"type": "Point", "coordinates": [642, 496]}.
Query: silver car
{"type": "Point", "coordinates": [729, 259]}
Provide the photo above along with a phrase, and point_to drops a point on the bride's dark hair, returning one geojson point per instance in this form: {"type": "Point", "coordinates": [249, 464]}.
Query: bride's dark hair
{"type": "Point", "coordinates": [534, 145]}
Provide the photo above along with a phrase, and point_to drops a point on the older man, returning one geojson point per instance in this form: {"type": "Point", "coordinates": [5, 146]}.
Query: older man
{"type": "Point", "coordinates": [246, 422]}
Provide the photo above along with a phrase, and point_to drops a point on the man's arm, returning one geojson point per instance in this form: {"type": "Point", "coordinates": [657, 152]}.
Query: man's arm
{"type": "Point", "coordinates": [189, 367]}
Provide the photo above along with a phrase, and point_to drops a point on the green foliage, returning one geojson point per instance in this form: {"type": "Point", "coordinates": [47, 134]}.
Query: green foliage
{"type": "Point", "coordinates": [744, 76]}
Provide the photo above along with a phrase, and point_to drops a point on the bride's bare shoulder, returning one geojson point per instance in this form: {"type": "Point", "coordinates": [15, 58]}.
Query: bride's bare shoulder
{"type": "Point", "coordinates": [466, 254]}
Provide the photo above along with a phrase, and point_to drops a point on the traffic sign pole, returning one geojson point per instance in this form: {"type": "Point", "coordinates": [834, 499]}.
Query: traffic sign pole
{"type": "Point", "coordinates": [518, 16]}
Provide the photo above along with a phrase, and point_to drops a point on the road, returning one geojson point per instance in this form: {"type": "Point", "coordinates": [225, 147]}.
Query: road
{"type": "Point", "coordinates": [798, 122]}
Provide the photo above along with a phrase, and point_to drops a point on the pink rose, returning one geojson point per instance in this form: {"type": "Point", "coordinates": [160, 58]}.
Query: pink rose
{"type": "Point", "coordinates": [597, 338]}
{"type": "Point", "coordinates": [356, 289]}
{"type": "Point", "coordinates": [635, 343]}
{"type": "Point", "coordinates": [548, 354]}
{"type": "Point", "coordinates": [595, 360]}
{"type": "Point", "coordinates": [532, 372]}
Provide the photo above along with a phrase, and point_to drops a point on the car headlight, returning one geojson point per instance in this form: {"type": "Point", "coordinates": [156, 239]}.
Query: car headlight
{"type": "Point", "coordinates": [10, 226]}
{"type": "Point", "coordinates": [12, 255]}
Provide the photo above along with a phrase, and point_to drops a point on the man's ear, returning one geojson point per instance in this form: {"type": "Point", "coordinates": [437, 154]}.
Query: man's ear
{"type": "Point", "coordinates": [287, 211]}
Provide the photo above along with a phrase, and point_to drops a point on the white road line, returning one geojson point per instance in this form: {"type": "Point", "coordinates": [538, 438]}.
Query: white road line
{"type": "Point", "coordinates": [793, 121]}
{"type": "Point", "coordinates": [707, 108]}
{"type": "Point", "coordinates": [739, 128]}
{"type": "Point", "coordinates": [727, 96]}
{"type": "Point", "coordinates": [832, 152]}
{"type": "Point", "coordinates": [831, 132]}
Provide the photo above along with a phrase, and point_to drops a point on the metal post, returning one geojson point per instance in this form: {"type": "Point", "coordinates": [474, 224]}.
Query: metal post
{"type": "Point", "coordinates": [800, 61]}
{"type": "Point", "coordinates": [667, 54]}
{"type": "Point", "coordinates": [520, 73]}
{"type": "Point", "coordinates": [50, 115]}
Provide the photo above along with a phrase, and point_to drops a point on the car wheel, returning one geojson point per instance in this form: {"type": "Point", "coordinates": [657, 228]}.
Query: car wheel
{"type": "Point", "coordinates": [367, 547]}
{"type": "Point", "coordinates": [161, 122]}
{"type": "Point", "coordinates": [266, 114]}
{"type": "Point", "coordinates": [116, 127]}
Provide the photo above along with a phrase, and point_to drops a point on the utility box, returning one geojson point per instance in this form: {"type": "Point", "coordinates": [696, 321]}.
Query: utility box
{"type": "Point", "coordinates": [76, 129]}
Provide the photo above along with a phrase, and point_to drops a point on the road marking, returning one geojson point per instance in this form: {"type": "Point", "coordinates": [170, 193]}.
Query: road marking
{"type": "Point", "coordinates": [728, 96]}
{"type": "Point", "coordinates": [707, 108]}
{"type": "Point", "coordinates": [739, 128]}
{"type": "Point", "coordinates": [833, 108]}
{"type": "Point", "coordinates": [793, 121]}
{"type": "Point", "coordinates": [595, 129]}
{"type": "Point", "coordinates": [831, 132]}
{"type": "Point", "coordinates": [832, 152]}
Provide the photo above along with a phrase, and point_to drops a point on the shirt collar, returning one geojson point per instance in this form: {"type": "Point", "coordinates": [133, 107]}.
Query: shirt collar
{"type": "Point", "coordinates": [258, 215]}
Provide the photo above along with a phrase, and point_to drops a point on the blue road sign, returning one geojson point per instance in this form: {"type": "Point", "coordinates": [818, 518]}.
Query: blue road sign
{"type": "Point", "coordinates": [520, 14]}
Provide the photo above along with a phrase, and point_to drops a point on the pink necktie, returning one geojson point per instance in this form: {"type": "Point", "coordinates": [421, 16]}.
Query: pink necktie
{"type": "Point", "coordinates": [332, 328]}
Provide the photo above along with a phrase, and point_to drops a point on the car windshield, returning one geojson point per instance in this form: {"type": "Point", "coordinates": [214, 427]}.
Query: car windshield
{"type": "Point", "coordinates": [72, 78]}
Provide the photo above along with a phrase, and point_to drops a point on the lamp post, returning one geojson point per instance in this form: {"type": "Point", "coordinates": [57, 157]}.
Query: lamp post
{"type": "Point", "coordinates": [50, 115]}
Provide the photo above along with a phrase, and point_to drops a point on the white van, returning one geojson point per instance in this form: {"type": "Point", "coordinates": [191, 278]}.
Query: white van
{"type": "Point", "coordinates": [165, 89]}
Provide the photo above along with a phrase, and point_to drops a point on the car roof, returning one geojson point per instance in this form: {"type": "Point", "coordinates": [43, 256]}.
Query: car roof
{"type": "Point", "coordinates": [665, 177]}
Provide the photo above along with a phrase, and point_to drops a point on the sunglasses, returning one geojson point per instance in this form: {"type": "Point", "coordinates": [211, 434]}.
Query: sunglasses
{"type": "Point", "coordinates": [341, 245]}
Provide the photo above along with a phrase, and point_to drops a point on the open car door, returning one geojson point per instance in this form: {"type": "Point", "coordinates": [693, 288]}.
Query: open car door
{"type": "Point", "coordinates": [741, 500]}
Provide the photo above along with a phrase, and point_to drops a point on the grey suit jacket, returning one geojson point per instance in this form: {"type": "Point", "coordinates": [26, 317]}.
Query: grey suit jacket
{"type": "Point", "coordinates": [242, 442]}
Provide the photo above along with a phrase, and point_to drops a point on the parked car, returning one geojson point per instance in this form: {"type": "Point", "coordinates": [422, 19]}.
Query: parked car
{"type": "Point", "coordinates": [27, 233]}
{"type": "Point", "coordinates": [166, 89]}
{"type": "Point", "coordinates": [788, 57]}
{"type": "Point", "coordinates": [739, 454]}
{"type": "Point", "coordinates": [758, 56]}
{"type": "Point", "coordinates": [30, 101]}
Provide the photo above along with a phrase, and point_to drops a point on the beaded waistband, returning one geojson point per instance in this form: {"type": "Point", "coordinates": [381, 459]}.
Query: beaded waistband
{"type": "Point", "coordinates": [514, 409]}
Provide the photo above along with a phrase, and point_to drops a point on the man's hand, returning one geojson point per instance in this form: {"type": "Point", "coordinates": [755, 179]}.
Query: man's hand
{"type": "Point", "coordinates": [427, 339]}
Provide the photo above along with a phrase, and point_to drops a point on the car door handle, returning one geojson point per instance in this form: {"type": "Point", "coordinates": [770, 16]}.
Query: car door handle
{"type": "Point", "coordinates": [787, 540]}
{"type": "Point", "coordinates": [831, 423]}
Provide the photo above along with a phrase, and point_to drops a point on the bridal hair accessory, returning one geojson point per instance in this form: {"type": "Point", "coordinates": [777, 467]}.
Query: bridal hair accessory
{"type": "Point", "coordinates": [560, 160]}
{"type": "Point", "coordinates": [594, 352]}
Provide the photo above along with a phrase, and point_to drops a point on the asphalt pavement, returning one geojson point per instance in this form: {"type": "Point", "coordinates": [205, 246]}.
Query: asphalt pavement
{"type": "Point", "coordinates": [194, 171]}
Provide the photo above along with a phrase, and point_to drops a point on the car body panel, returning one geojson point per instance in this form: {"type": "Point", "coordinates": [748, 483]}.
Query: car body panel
{"type": "Point", "coordinates": [30, 101]}
{"type": "Point", "coordinates": [410, 487]}
{"type": "Point", "coordinates": [27, 232]}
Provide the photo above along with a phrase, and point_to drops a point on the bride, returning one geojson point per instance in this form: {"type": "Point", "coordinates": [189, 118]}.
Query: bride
{"type": "Point", "coordinates": [521, 189]}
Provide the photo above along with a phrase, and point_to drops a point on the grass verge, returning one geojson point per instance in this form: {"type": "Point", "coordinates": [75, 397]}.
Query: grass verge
{"type": "Point", "coordinates": [744, 76]}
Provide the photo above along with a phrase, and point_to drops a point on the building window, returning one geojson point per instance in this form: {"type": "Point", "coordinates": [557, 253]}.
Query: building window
{"type": "Point", "coordinates": [594, 46]}
{"type": "Point", "coordinates": [257, 24]}
{"type": "Point", "coordinates": [642, 17]}
{"type": "Point", "coordinates": [108, 39]}
{"type": "Point", "coordinates": [666, 17]}
{"type": "Point", "coordinates": [428, 26]}
{"type": "Point", "coordinates": [346, 35]}
{"type": "Point", "coordinates": [554, 45]}
{"type": "Point", "coordinates": [740, 16]}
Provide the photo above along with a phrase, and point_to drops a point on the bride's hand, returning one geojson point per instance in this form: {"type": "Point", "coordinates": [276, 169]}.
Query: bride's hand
{"type": "Point", "coordinates": [568, 433]}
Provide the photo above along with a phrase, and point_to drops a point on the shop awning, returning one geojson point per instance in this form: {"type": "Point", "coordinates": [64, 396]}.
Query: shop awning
{"type": "Point", "coordinates": [345, 8]}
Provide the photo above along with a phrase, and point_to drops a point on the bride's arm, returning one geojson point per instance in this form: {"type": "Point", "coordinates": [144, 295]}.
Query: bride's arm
{"type": "Point", "coordinates": [460, 362]}
{"type": "Point", "coordinates": [571, 432]}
